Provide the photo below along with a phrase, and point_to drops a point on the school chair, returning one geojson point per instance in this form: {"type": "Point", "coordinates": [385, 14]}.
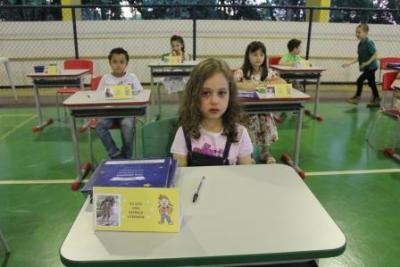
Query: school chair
{"type": "Point", "coordinates": [71, 64]}
{"type": "Point", "coordinates": [274, 60]}
{"type": "Point", "coordinates": [387, 75]}
{"type": "Point", "coordinates": [157, 138]}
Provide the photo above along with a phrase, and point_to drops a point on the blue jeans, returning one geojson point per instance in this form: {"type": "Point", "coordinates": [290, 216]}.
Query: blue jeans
{"type": "Point", "coordinates": [127, 126]}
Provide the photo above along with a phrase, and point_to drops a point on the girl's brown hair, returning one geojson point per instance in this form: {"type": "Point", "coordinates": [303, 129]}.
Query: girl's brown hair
{"type": "Point", "coordinates": [190, 115]}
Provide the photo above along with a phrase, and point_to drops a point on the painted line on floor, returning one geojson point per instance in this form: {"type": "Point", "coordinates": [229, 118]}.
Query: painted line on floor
{"type": "Point", "coordinates": [16, 182]}
{"type": "Point", "coordinates": [352, 172]}
{"type": "Point", "coordinates": [12, 182]}
{"type": "Point", "coordinates": [17, 127]}
{"type": "Point", "coordinates": [17, 115]}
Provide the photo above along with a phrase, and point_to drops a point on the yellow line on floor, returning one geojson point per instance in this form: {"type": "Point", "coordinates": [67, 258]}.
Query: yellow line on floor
{"type": "Point", "coordinates": [17, 127]}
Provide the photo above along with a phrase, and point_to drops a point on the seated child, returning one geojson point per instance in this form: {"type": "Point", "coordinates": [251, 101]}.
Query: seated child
{"type": "Point", "coordinates": [118, 60]}
{"type": "Point", "coordinates": [209, 132]}
{"type": "Point", "coordinates": [254, 73]}
{"type": "Point", "coordinates": [176, 84]}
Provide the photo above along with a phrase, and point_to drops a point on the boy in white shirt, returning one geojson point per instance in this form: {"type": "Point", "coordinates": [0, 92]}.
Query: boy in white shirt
{"type": "Point", "coordinates": [118, 59]}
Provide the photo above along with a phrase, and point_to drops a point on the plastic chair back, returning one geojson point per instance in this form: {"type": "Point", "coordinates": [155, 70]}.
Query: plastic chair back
{"type": "Point", "coordinates": [274, 60]}
{"type": "Point", "coordinates": [157, 138]}
{"type": "Point", "coordinates": [387, 80]}
{"type": "Point", "coordinates": [71, 64]}
{"type": "Point", "coordinates": [94, 83]}
{"type": "Point", "coordinates": [383, 62]}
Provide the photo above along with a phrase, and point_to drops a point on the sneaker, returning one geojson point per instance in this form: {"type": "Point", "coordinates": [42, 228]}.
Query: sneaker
{"type": "Point", "coordinates": [353, 100]}
{"type": "Point", "coordinates": [374, 103]}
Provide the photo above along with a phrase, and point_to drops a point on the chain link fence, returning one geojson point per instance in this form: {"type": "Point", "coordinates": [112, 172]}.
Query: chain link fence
{"type": "Point", "coordinates": [209, 31]}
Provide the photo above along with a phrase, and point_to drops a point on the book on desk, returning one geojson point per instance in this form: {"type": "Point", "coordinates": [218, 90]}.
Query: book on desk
{"type": "Point", "coordinates": [268, 91]}
{"type": "Point", "coordinates": [133, 173]}
{"type": "Point", "coordinates": [135, 195]}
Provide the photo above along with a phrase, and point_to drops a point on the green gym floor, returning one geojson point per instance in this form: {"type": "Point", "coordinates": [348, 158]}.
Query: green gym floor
{"type": "Point", "coordinates": [354, 181]}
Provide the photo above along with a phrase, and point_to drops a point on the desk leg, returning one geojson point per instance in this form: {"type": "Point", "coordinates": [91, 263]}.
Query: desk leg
{"type": "Point", "coordinates": [8, 70]}
{"type": "Point", "coordinates": [298, 137]}
{"type": "Point", "coordinates": [315, 114]}
{"type": "Point", "coordinates": [41, 123]}
{"type": "Point", "coordinates": [158, 101]}
{"type": "Point", "coordinates": [4, 243]}
{"type": "Point", "coordinates": [285, 158]}
{"type": "Point", "coordinates": [79, 176]}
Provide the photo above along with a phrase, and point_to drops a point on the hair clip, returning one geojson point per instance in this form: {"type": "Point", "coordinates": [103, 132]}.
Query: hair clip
{"type": "Point", "coordinates": [177, 34]}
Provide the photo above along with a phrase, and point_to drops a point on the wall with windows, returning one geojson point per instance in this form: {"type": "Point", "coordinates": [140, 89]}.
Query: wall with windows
{"type": "Point", "coordinates": [31, 43]}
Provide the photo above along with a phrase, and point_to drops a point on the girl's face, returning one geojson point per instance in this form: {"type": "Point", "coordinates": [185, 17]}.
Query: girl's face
{"type": "Point", "coordinates": [214, 97]}
{"type": "Point", "coordinates": [360, 34]}
{"type": "Point", "coordinates": [118, 64]}
{"type": "Point", "coordinates": [256, 58]}
{"type": "Point", "coordinates": [176, 46]}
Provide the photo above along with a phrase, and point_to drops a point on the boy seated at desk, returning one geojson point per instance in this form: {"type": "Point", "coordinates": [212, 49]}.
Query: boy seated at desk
{"type": "Point", "coordinates": [118, 59]}
{"type": "Point", "coordinates": [293, 59]}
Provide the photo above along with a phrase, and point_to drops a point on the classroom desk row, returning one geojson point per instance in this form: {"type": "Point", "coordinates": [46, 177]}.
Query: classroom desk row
{"type": "Point", "coordinates": [245, 215]}
{"type": "Point", "coordinates": [89, 104]}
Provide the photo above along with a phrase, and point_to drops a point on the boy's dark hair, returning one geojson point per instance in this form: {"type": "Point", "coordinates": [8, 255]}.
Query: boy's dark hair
{"type": "Point", "coordinates": [292, 44]}
{"type": "Point", "coordinates": [118, 51]}
{"type": "Point", "coordinates": [247, 68]}
{"type": "Point", "coordinates": [179, 39]}
{"type": "Point", "coordinates": [190, 116]}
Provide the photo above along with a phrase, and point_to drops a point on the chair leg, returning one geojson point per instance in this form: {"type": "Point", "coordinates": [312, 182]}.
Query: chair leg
{"type": "Point", "coordinates": [58, 107]}
{"type": "Point", "coordinates": [372, 126]}
{"type": "Point", "coordinates": [3, 243]}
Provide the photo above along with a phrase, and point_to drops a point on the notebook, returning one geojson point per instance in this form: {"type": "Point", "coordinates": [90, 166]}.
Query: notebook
{"type": "Point", "coordinates": [118, 92]}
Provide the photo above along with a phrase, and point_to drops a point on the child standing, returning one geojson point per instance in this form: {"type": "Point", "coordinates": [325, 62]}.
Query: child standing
{"type": "Point", "coordinates": [253, 74]}
{"type": "Point", "coordinates": [118, 59]}
{"type": "Point", "coordinates": [209, 132]}
{"type": "Point", "coordinates": [176, 84]}
{"type": "Point", "coordinates": [368, 65]}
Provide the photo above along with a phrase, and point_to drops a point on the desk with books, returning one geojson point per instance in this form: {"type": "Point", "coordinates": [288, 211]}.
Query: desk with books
{"type": "Point", "coordinates": [62, 78]}
{"type": "Point", "coordinates": [165, 69]}
{"type": "Point", "coordinates": [306, 73]}
{"type": "Point", "coordinates": [244, 215]}
{"type": "Point", "coordinates": [91, 104]}
{"type": "Point", "coordinates": [293, 102]}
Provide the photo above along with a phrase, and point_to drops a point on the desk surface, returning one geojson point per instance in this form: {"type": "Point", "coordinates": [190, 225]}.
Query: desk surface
{"type": "Point", "coordinates": [244, 214]}
{"type": "Point", "coordinates": [61, 74]}
{"type": "Point", "coordinates": [290, 69]}
{"type": "Point", "coordinates": [94, 98]}
{"type": "Point", "coordinates": [162, 64]}
{"type": "Point", "coordinates": [295, 96]}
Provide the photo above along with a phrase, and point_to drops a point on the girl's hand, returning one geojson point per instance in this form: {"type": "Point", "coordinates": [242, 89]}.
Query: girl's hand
{"type": "Point", "coordinates": [238, 75]}
{"type": "Point", "coordinates": [272, 75]}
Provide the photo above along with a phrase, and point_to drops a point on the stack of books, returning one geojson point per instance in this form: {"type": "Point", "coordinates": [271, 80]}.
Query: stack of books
{"type": "Point", "coordinates": [159, 173]}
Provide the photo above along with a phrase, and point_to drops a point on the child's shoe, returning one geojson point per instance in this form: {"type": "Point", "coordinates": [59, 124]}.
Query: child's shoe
{"type": "Point", "coordinates": [374, 103]}
{"type": "Point", "coordinates": [353, 100]}
{"type": "Point", "coordinates": [268, 159]}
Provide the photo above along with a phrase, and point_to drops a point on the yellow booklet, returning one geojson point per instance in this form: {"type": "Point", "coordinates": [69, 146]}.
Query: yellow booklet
{"type": "Point", "coordinates": [118, 91]}
{"type": "Point", "coordinates": [136, 209]}
{"type": "Point", "coordinates": [274, 90]}
{"type": "Point", "coordinates": [174, 60]}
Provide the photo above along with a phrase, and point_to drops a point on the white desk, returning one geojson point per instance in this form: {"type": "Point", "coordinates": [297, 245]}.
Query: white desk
{"type": "Point", "coordinates": [6, 63]}
{"type": "Point", "coordinates": [91, 104]}
{"type": "Point", "coordinates": [164, 69]}
{"type": "Point", "coordinates": [294, 102]}
{"type": "Point", "coordinates": [310, 73]}
{"type": "Point", "coordinates": [244, 215]}
{"type": "Point", "coordinates": [62, 78]}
